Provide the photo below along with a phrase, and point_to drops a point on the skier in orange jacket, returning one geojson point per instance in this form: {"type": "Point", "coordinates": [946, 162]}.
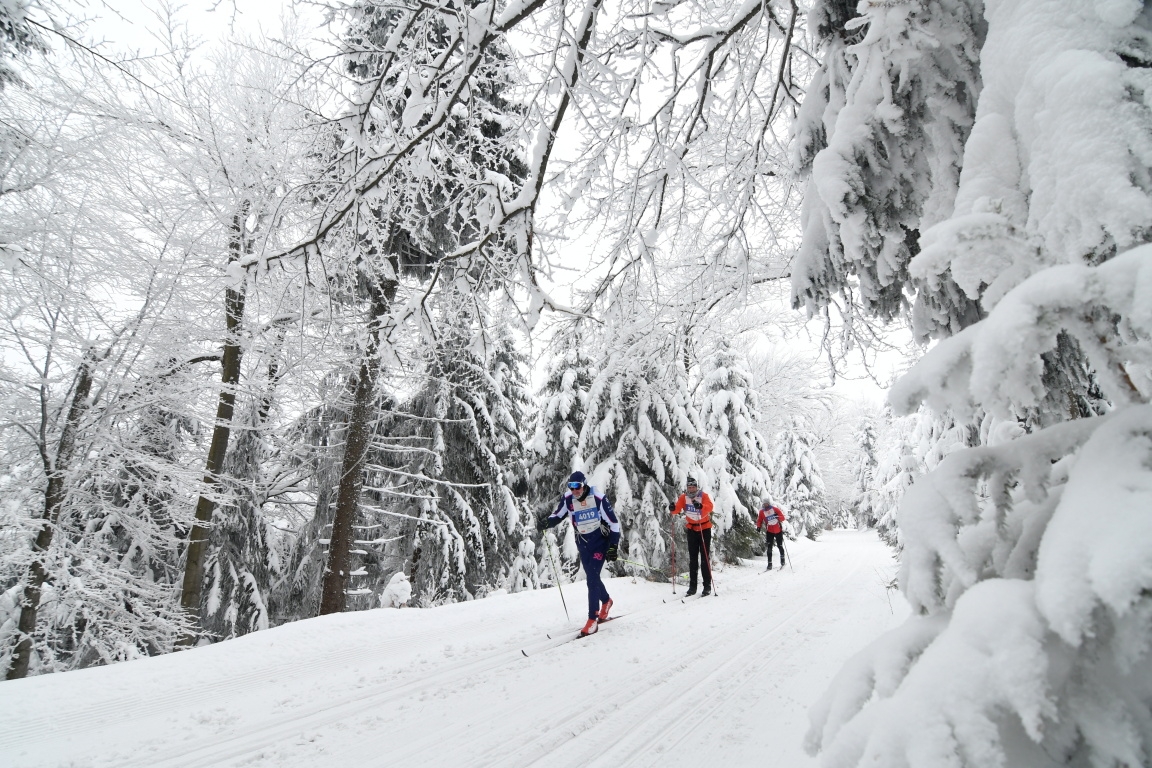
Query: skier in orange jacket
{"type": "Point", "coordinates": [771, 518]}
{"type": "Point", "coordinates": [696, 506]}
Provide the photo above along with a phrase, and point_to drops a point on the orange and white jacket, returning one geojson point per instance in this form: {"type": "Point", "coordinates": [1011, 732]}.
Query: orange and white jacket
{"type": "Point", "coordinates": [697, 511]}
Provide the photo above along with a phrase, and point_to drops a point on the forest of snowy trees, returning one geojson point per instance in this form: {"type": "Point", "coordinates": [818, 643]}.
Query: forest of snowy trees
{"type": "Point", "coordinates": [320, 319]}
{"type": "Point", "coordinates": [282, 334]}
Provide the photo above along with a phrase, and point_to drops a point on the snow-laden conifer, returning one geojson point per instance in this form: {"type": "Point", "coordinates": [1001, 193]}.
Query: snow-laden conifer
{"type": "Point", "coordinates": [525, 571]}
{"type": "Point", "coordinates": [799, 489]}
{"type": "Point", "coordinates": [553, 450]}
{"type": "Point", "coordinates": [563, 404]}
{"type": "Point", "coordinates": [897, 470]}
{"type": "Point", "coordinates": [735, 456]}
{"type": "Point", "coordinates": [244, 559]}
{"type": "Point", "coordinates": [1026, 558]}
{"type": "Point", "coordinates": [458, 467]}
{"type": "Point", "coordinates": [641, 439]}
{"type": "Point", "coordinates": [880, 139]}
{"type": "Point", "coordinates": [864, 479]}
{"type": "Point", "coordinates": [400, 244]}
{"type": "Point", "coordinates": [315, 439]}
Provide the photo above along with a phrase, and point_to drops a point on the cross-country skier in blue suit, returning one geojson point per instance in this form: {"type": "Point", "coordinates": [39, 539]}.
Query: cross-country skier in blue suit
{"type": "Point", "coordinates": [591, 514]}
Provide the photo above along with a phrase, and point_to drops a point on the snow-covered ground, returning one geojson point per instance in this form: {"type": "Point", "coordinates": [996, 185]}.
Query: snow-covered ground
{"type": "Point", "coordinates": [722, 681]}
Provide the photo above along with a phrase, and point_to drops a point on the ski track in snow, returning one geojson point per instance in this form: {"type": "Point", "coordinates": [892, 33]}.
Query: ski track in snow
{"type": "Point", "coordinates": [726, 680]}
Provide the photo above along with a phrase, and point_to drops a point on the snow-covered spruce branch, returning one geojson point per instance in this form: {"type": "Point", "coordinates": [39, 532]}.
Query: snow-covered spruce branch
{"type": "Point", "coordinates": [997, 365]}
{"type": "Point", "coordinates": [880, 138]}
{"type": "Point", "coordinates": [989, 539]}
{"type": "Point", "coordinates": [1032, 667]}
{"type": "Point", "coordinates": [422, 478]}
{"type": "Point", "coordinates": [967, 521]}
{"type": "Point", "coordinates": [392, 513]}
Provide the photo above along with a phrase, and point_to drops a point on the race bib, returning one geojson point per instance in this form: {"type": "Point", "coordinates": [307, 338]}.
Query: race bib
{"type": "Point", "coordinates": [692, 511]}
{"type": "Point", "coordinates": [585, 515]}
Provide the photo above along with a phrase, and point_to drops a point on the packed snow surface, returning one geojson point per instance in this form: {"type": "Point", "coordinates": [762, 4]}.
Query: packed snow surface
{"type": "Point", "coordinates": [722, 681]}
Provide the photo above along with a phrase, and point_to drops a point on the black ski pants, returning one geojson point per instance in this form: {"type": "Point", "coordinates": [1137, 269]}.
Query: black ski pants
{"type": "Point", "coordinates": [699, 548]}
{"type": "Point", "coordinates": [779, 539]}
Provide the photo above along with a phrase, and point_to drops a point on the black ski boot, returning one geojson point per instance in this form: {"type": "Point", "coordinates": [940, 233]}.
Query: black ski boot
{"type": "Point", "coordinates": [691, 591]}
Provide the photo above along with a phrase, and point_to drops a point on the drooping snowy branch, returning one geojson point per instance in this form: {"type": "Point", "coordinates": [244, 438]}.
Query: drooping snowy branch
{"type": "Point", "coordinates": [997, 364]}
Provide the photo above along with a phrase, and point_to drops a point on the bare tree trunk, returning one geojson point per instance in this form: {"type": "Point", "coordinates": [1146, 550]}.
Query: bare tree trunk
{"type": "Point", "coordinates": [193, 584]}
{"type": "Point", "coordinates": [356, 440]}
{"type": "Point", "coordinates": [57, 470]}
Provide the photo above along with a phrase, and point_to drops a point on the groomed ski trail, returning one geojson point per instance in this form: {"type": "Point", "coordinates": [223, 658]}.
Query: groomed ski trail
{"type": "Point", "coordinates": [641, 719]}
{"type": "Point", "coordinates": [663, 688]}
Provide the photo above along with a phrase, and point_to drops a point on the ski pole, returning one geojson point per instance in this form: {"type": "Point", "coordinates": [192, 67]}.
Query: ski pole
{"type": "Point", "coordinates": [672, 538]}
{"type": "Point", "coordinates": [633, 562]}
{"type": "Point", "coordinates": [556, 573]}
{"type": "Point", "coordinates": [784, 540]}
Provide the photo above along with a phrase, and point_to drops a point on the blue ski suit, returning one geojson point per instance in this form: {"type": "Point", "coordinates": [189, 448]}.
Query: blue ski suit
{"type": "Point", "coordinates": [590, 514]}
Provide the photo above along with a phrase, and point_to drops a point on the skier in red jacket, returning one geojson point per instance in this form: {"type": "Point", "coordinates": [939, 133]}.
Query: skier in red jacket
{"type": "Point", "coordinates": [696, 506]}
{"type": "Point", "coordinates": [771, 517]}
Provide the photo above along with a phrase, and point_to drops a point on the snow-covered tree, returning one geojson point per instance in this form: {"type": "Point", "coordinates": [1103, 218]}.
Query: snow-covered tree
{"type": "Point", "coordinates": [315, 438]}
{"type": "Point", "coordinates": [799, 489]}
{"type": "Point", "coordinates": [553, 449]}
{"type": "Point", "coordinates": [910, 447]}
{"type": "Point", "coordinates": [837, 456]}
{"type": "Point", "coordinates": [457, 465]}
{"type": "Point", "coordinates": [880, 138]}
{"type": "Point", "coordinates": [896, 472]}
{"type": "Point", "coordinates": [563, 403]}
{"type": "Point", "coordinates": [787, 384]}
{"type": "Point", "coordinates": [442, 193]}
{"type": "Point", "coordinates": [243, 560]}
{"type": "Point", "coordinates": [19, 36]}
{"type": "Point", "coordinates": [864, 488]}
{"type": "Point", "coordinates": [641, 439]}
{"type": "Point", "coordinates": [1028, 643]}
{"type": "Point", "coordinates": [232, 144]}
{"type": "Point", "coordinates": [525, 571]}
{"type": "Point", "coordinates": [735, 456]}
{"type": "Point", "coordinates": [92, 424]}
{"type": "Point", "coordinates": [146, 180]}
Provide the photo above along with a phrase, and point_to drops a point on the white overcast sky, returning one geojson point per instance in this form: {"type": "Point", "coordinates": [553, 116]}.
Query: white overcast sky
{"type": "Point", "coordinates": [130, 23]}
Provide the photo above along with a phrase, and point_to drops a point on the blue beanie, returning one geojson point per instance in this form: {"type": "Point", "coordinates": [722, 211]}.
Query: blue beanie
{"type": "Point", "coordinates": [577, 477]}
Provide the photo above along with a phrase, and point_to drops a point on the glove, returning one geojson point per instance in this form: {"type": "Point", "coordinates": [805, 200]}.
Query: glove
{"type": "Point", "coordinates": [611, 554]}
{"type": "Point", "coordinates": [671, 507]}
{"type": "Point", "coordinates": [757, 527]}
{"type": "Point", "coordinates": [541, 524]}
